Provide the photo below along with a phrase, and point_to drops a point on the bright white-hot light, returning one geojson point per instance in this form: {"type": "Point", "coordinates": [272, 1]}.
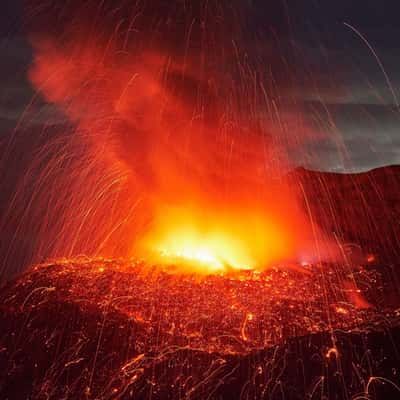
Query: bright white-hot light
{"type": "Point", "coordinates": [209, 241]}
{"type": "Point", "coordinates": [194, 255]}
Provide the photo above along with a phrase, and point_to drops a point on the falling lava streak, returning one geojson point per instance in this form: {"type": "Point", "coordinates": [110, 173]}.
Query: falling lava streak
{"type": "Point", "coordinates": [117, 329]}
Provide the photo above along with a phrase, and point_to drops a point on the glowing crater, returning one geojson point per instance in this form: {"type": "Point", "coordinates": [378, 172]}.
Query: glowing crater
{"type": "Point", "coordinates": [216, 253]}
{"type": "Point", "coordinates": [207, 239]}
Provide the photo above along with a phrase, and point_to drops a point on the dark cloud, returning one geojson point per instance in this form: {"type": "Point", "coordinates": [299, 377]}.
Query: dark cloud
{"type": "Point", "coordinates": [333, 73]}
{"type": "Point", "coordinates": [361, 137]}
{"type": "Point", "coordinates": [322, 23]}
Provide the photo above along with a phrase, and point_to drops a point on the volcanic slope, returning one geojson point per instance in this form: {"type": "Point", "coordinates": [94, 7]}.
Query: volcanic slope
{"type": "Point", "coordinates": [120, 329]}
{"type": "Point", "coordinates": [106, 329]}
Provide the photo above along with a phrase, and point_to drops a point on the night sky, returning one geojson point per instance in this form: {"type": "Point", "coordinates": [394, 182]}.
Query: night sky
{"type": "Point", "coordinates": [350, 94]}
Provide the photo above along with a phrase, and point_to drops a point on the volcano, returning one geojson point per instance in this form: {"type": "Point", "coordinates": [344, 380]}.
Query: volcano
{"type": "Point", "coordinates": [96, 328]}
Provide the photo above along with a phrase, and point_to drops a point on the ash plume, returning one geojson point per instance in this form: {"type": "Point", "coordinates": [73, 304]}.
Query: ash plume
{"type": "Point", "coordinates": [165, 93]}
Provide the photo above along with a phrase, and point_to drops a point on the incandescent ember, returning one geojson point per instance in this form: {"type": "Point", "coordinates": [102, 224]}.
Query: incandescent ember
{"type": "Point", "coordinates": [115, 329]}
{"type": "Point", "coordinates": [235, 312]}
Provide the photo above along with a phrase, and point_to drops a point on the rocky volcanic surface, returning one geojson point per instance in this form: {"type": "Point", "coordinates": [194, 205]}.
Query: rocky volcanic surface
{"type": "Point", "coordinates": [114, 329]}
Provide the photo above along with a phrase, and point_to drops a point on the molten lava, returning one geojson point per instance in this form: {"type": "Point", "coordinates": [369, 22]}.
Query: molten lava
{"type": "Point", "coordinates": [208, 252]}
{"type": "Point", "coordinates": [214, 241]}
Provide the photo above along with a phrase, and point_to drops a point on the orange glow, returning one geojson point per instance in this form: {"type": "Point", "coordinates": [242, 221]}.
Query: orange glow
{"type": "Point", "coordinates": [200, 251]}
{"type": "Point", "coordinates": [370, 258]}
{"type": "Point", "coordinates": [216, 240]}
{"type": "Point", "coordinates": [197, 186]}
{"type": "Point", "coordinates": [332, 352]}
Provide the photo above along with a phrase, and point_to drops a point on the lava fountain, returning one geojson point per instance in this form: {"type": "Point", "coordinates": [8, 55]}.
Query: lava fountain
{"type": "Point", "coordinates": [187, 247]}
{"type": "Point", "coordinates": [203, 169]}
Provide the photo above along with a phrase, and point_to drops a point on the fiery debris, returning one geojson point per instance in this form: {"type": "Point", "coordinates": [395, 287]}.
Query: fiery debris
{"type": "Point", "coordinates": [235, 312]}
{"type": "Point", "coordinates": [113, 329]}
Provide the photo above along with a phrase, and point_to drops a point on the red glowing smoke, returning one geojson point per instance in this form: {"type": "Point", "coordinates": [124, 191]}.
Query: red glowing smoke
{"type": "Point", "coordinates": [176, 108]}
